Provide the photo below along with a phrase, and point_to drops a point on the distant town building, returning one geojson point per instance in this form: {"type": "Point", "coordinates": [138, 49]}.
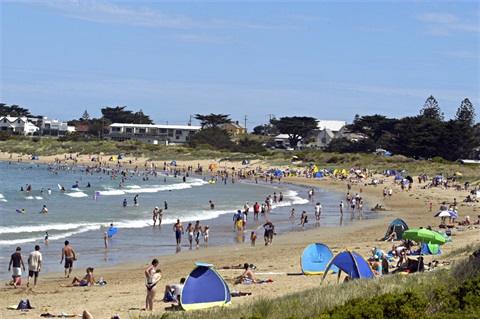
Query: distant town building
{"type": "Point", "coordinates": [17, 125]}
{"type": "Point", "coordinates": [54, 127]}
{"type": "Point", "coordinates": [151, 134]}
{"type": "Point", "coordinates": [235, 128]}
{"type": "Point", "coordinates": [327, 131]}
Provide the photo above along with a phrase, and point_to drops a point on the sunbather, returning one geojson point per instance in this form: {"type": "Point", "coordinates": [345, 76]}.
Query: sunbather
{"type": "Point", "coordinates": [89, 279]}
{"type": "Point", "coordinates": [392, 235]}
{"type": "Point", "coordinates": [248, 277]}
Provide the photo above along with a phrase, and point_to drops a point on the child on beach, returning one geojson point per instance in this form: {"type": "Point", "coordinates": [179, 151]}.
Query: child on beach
{"type": "Point", "coordinates": [253, 238]}
{"type": "Point", "coordinates": [206, 233]}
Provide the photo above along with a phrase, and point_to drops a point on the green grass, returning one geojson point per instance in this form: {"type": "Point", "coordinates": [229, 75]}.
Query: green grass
{"type": "Point", "coordinates": [434, 294]}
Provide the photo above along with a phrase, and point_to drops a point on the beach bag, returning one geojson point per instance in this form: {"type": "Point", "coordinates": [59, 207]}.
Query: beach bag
{"type": "Point", "coordinates": [24, 304]}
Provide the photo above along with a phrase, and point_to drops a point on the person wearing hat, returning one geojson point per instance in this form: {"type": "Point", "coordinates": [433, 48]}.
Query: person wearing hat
{"type": "Point", "coordinates": [155, 213]}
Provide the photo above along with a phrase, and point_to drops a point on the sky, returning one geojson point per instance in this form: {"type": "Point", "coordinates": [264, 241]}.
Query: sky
{"type": "Point", "coordinates": [251, 60]}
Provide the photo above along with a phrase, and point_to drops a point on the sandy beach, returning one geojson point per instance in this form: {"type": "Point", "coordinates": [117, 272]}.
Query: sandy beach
{"type": "Point", "coordinates": [124, 294]}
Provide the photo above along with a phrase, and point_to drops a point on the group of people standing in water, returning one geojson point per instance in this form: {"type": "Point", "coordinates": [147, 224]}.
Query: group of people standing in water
{"type": "Point", "coordinates": [194, 232]}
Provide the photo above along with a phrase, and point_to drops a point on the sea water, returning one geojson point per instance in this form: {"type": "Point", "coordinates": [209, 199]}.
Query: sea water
{"type": "Point", "coordinates": [82, 214]}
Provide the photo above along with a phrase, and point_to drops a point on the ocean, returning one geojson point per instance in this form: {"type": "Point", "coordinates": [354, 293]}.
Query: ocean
{"type": "Point", "coordinates": [82, 214]}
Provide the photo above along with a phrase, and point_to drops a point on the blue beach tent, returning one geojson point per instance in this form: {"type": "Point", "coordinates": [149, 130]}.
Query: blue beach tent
{"type": "Point", "coordinates": [204, 288]}
{"type": "Point", "coordinates": [399, 226]}
{"type": "Point", "coordinates": [318, 175]}
{"type": "Point", "coordinates": [351, 263]}
{"type": "Point", "coordinates": [315, 258]}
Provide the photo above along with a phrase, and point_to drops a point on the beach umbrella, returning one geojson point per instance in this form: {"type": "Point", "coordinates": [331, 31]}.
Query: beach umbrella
{"type": "Point", "coordinates": [446, 213]}
{"type": "Point", "coordinates": [424, 235]}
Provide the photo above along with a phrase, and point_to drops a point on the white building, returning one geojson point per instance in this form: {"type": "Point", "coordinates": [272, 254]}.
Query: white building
{"type": "Point", "coordinates": [16, 124]}
{"type": "Point", "coordinates": [152, 134]}
{"type": "Point", "coordinates": [328, 130]}
{"type": "Point", "coordinates": [55, 127]}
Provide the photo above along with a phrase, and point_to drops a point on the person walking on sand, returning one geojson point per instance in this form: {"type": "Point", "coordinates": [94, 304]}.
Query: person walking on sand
{"type": "Point", "coordinates": [34, 265]}
{"type": "Point", "coordinates": [69, 255]}
{"type": "Point", "coordinates": [178, 229]}
{"type": "Point", "coordinates": [341, 208]}
{"type": "Point", "coordinates": [16, 260]}
{"type": "Point", "coordinates": [269, 232]}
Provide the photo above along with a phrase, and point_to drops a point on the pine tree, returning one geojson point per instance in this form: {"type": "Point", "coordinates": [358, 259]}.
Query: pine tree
{"type": "Point", "coordinates": [431, 110]}
{"type": "Point", "coordinates": [466, 113]}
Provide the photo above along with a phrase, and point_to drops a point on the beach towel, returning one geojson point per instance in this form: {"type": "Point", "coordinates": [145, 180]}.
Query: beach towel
{"type": "Point", "coordinates": [237, 293]}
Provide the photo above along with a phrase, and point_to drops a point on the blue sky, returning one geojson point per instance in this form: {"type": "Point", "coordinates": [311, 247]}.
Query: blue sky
{"type": "Point", "coordinates": [328, 60]}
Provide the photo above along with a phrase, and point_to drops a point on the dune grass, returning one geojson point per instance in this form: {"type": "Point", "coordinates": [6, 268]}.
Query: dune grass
{"type": "Point", "coordinates": [430, 288]}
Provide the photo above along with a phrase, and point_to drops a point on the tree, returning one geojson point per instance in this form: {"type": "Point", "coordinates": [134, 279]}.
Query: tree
{"type": "Point", "coordinates": [418, 137]}
{"type": "Point", "coordinates": [214, 136]}
{"type": "Point", "coordinates": [120, 115]}
{"type": "Point", "coordinates": [297, 127]}
{"type": "Point", "coordinates": [376, 127]}
{"type": "Point", "coordinates": [248, 145]}
{"type": "Point", "coordinates": [85, 117]}
{"type": "Point", "coordinates": [343, 145]}
{"type": "Point", "coordinates": [459, 137]}
{"type": "Point", "coordinates": [431, 110]}
{"type": "Point", "coordinates": [213, 120]}
{"type": "Point", "coordinates": [13, 110]}
{"type": "Point", "coordinates": [466, 113]}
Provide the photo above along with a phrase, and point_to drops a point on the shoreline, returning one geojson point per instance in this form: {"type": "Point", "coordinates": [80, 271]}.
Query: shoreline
{"type": "Point", "coordinates": [125, 289]}
{"type": "Point", "coordinates": [96, 256]}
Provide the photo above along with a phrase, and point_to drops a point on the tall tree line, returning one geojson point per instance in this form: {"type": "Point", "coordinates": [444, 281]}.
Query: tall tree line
{"type": "Point", "coordinates": [426, 135]}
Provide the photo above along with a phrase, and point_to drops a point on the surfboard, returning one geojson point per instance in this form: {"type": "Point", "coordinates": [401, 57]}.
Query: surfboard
{"type": "Point", "coordinates": [59, 186]}
{"type": "Point", "coordinates": [112, 231]}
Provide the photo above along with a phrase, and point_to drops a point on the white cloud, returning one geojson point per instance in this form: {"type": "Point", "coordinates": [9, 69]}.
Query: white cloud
{"type": "Point", "coordinates": [438, 23]}
{"type": "Point", "coordinates": [124, 13]}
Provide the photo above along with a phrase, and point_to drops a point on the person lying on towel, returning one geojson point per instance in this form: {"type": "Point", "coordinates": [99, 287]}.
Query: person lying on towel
{"type": "Point", "coordinates": [248, 277]}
